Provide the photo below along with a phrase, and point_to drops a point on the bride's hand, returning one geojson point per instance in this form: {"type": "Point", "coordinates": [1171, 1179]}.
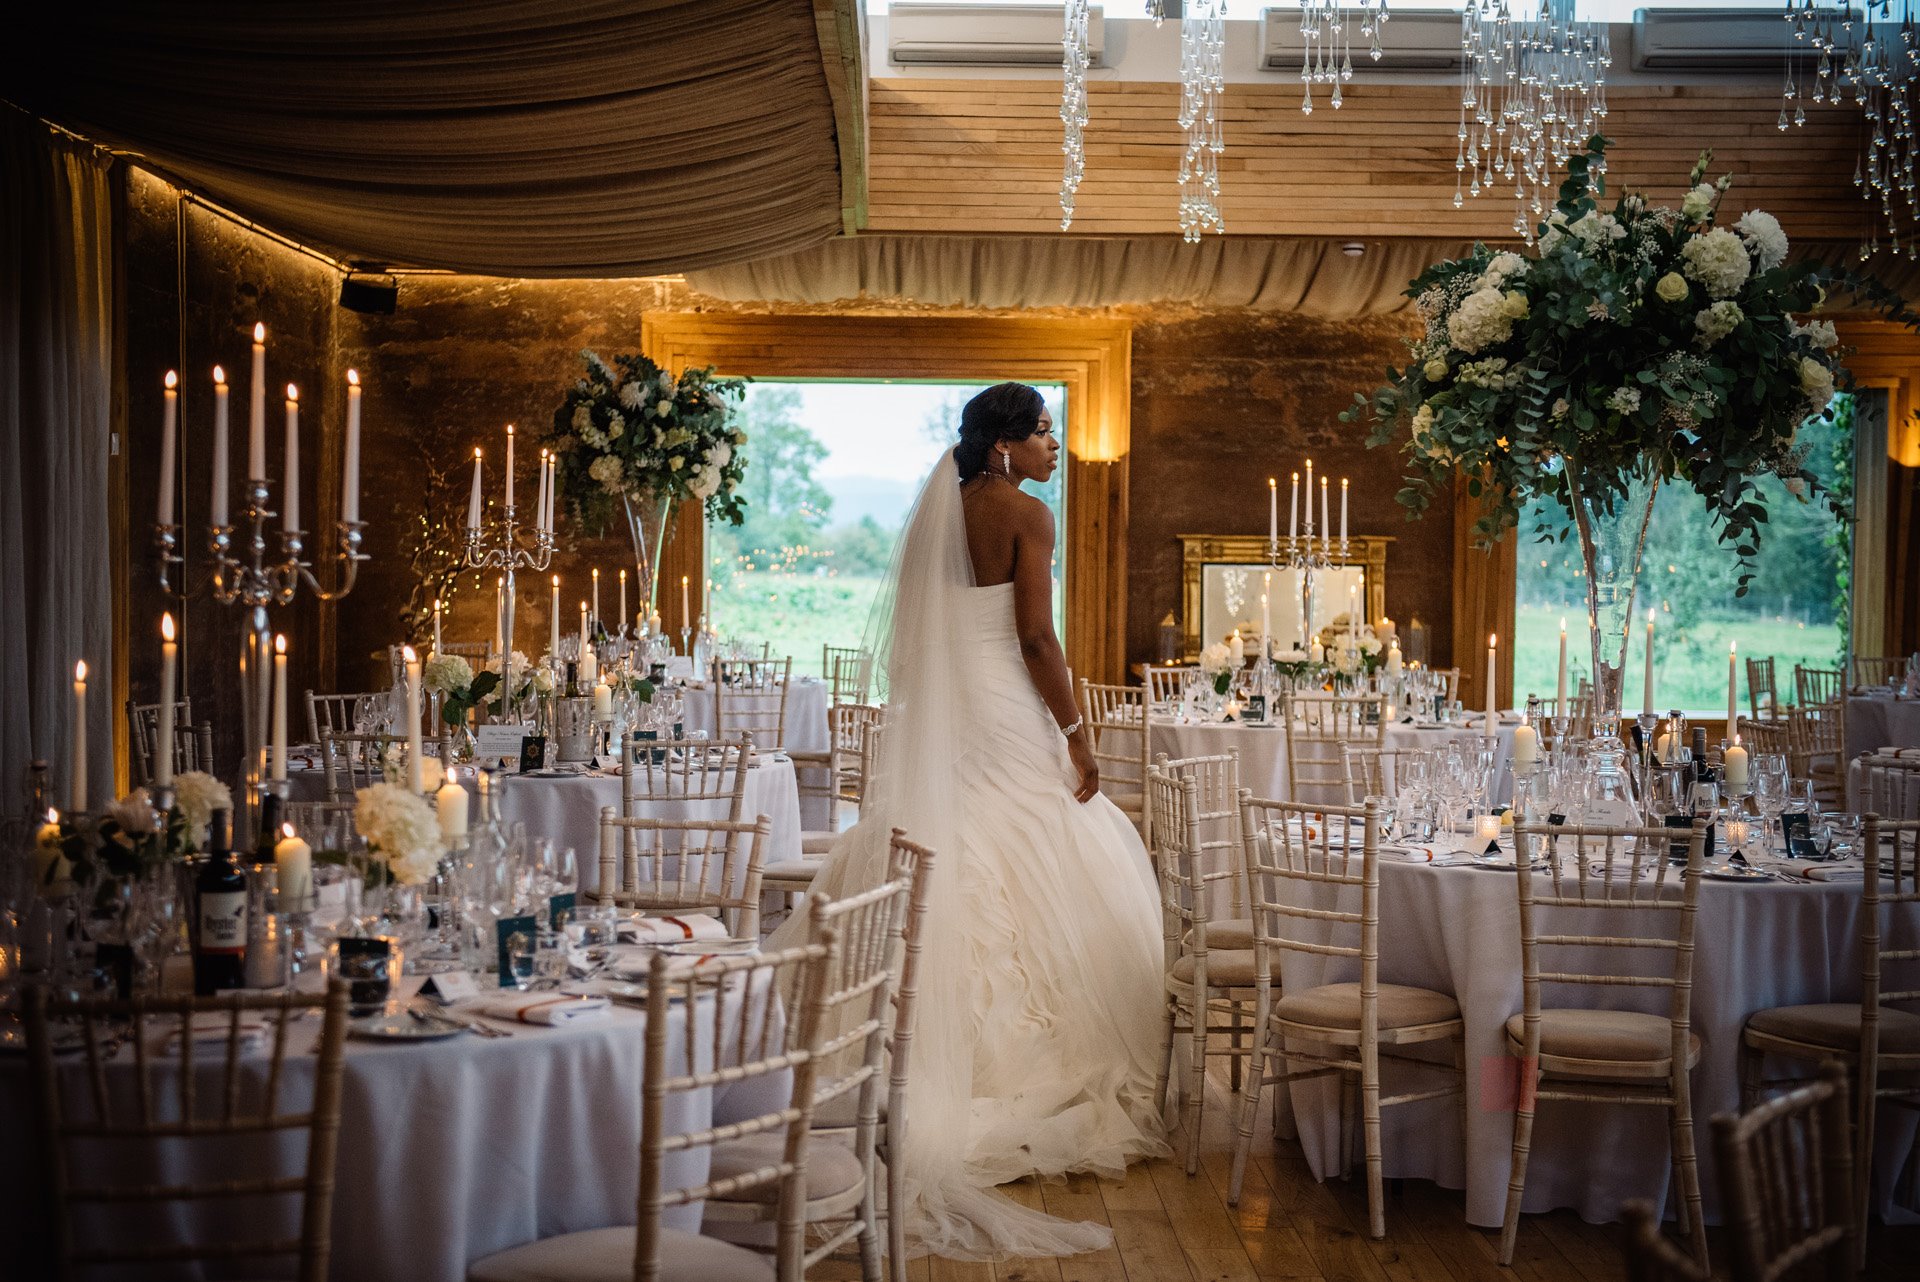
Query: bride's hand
{"type": "Point", "coordinates": [1084, 765]}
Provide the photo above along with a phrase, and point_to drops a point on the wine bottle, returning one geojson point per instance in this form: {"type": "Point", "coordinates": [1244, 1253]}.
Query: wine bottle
{"type": "Point", "coordinates": [573, 680]}
{"type": "Point", "coordinates": [267, 834]}
{"type": "Point", "coordinates": [220, 916]}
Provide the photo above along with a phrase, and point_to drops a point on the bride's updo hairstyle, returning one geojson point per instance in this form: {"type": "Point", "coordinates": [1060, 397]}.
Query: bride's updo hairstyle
{"type": "Point", "coordinates": [1004, 412]}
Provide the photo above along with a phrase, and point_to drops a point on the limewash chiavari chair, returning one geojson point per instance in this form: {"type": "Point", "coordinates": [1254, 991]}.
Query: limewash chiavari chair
{"type": "Point", "coordinates": [1817, 685]}
{"type": "Point", "coordinates": [915, 863]}
{"type": "Point", "coordinates": [1374, 772]}
{"type": "Point", "coordinates": [1451, 679]}
{"type": "Point", "coordinates": [192, 745]}
{"type": "Point", "coordinates": [1299, 878]}
{"type": "Point", "coordinates": [751, 1039]}
{"type": "Point", "coordinates": [335, 713]}
{"type": "Point", "coordinates": [834, 775]}
{"type": "Point", "coordinates": [1763, 691]}
{"type": "Point", "coordinates": [1818, 738]}
{"type": "Point", "coordinates": [750, 698]}
{"type": "Point", "coordinates": [166, 1109]}
{"type": "Point", "coordinates": [1875, 670]}
{"type": "Point", "coordinates": [1650, 1256]}
{"type": "Point", "coordinates": [1203, 978]}
{"type": "Point", "coordinates": [1167, 682]}
{"type": "Point", "coordinates": [1767, 737]}
{"type": "Point", "coordinates": [842, 1183]}
{"type": "Point", "coordinates": [1318, 727]}
{"type": "Point", "coordinates": [1881, 1032]}
{"type": "Point", "coordinates": [1890, 786]}
{"type": "Point", "coordinates": [351, 762]}
{"type": "Point", "coordinates": [684, 865]}
{"type": "Point", "coordinates": [683, 770]}
{"type": "Point", "coordinates": [1116, 723]}
{"type": "Point", "coordinates": [1786, 1182]}
{"type": "Point", "coordinates": [848, 670]}
{"type": "Point", "coordinates": [1607, 1056]}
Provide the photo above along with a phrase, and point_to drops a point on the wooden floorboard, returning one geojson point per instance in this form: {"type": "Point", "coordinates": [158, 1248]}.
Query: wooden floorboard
{"type": "Point", "coordinates": [1290, 1227]}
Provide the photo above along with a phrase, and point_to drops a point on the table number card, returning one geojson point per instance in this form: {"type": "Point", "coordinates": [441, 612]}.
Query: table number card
{"type": "Point", "coordinates": [364, 965]}
{"type": "Point", "coordinates": [516, 937]}
{"type": "Point", "coordinates": [499, 744]}
{"type": "Point", "coordinates": [1797, 828]}
{"type": "Point", "coordinates": [1254, 713]}
{"type": "Point", "coordinates": [533, 753]}
{"type": "Point", "coordinates": [560, 910]}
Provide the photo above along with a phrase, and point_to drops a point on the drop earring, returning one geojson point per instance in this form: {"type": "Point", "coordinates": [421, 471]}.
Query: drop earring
{"type": "Point", "coordinates": [1006, 463]}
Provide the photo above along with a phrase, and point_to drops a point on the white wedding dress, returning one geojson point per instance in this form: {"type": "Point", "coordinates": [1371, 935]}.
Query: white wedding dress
{"type": "Point", "coordinates": [1037, 1032]}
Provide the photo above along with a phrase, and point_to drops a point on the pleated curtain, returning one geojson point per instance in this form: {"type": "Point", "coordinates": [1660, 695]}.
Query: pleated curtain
{"type": "Point", "coordinates": [55, 400]}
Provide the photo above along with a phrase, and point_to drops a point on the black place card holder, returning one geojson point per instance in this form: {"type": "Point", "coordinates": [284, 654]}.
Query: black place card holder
{"type": "Point", "coordinates": [1255, 711]}
{"type": "Point", "coordinates": [1557, 818]}
{"type": "Point", "coordinates": [363, 964]}
{"type": "Point", "coordinates": [117, 961]}
{"type": "Point", "coordinates": [560, 909]}
{"type": "Point", "coordinates": [507, 928]}
{"type": "Point", "coordinates": [533, 753]}
{"type": "Point", "coordinates": [1797, 828]}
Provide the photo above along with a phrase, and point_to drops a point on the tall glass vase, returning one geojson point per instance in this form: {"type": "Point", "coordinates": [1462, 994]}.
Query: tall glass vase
{"type": "Point", "coordinates": [1612, 526]}
{"type": "Point", "coordinates": [647, 519]}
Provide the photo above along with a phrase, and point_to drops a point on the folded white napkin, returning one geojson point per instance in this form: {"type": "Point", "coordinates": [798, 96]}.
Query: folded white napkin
{"type": "Point", "coordinates": [210, 1029]}
{"type": "Point", "coordinates": [661, 930]}
{"type": "Point", "coordinates": [1833, 872]}
{"type": "Point", "coordinates": [543, 1008]}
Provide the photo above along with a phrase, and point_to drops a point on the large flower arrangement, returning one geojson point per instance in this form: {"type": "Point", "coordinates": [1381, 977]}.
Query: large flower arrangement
{"type": "Point", "coordinates": [1636, 344]}
{"type": "Point", "coordinates": [629, 429]}
{"type": "Point", "coordinates": [402, 828]}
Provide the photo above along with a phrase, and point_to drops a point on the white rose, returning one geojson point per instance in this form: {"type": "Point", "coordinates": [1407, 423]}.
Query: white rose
{"type": "Point", "coordinates": [1816, 381]}
{"type": "Point", "coordinates": [134, 813]}
{"type": "Point", "coordinates": [197, 795]}
{"type": "Point", "coordinates": [582, 418]}
{"type": "Point", "coordinates": [663, 408]}
{"type": "Point", "coordinates": [703, 481]}
{"type": "Point", "coordinates": [1698, 203]}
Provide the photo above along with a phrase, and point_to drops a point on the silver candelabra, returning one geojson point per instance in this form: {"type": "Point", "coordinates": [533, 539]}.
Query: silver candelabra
{"type": "Point", "coordinates": [244, 577]}
{"type": "Point", "coordinates": [507, 551]}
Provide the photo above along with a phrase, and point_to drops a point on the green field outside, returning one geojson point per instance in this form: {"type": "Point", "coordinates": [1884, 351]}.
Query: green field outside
{"type": "Point", "coordinates": [798, 612]}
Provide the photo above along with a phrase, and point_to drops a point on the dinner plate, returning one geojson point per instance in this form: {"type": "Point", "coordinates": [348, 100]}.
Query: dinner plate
{"type": "Point", "coordinates": [401, 1026]}
{"type": "Point", "coordinates": [710, 947]}
{"type": "Point", "coordinates": [1734, 872]}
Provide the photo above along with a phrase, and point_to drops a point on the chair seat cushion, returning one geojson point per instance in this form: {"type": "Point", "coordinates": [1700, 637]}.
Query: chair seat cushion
{"type": "Point", "coordinates": [1602, 1043]}
{"type": "Point", "coordinates": [1338, 1006]}
{"type": "Point", "coordinates": [606, 1255]}
{"type": "Point", "coordinates": [841, 1112]}
{"type": "Point", "coordinates": [791, 869]}
{"type": "Point", "coordinates": [1226, 967]}
{"type": "Point", "coordinates": [1836, 1026]}
{"type": "Point", "coordinates": [832, 1168]}
{"type": "Point", "coordinates": [1234, 933]}
{"type": "Point", "coordinates": [817, 843]}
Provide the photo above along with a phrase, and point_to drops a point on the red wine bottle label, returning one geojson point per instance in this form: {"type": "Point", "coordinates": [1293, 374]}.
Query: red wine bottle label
{"type": "Point", "coordinates": [223, 923]}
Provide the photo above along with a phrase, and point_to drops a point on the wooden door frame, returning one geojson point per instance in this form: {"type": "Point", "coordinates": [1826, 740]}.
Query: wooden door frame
{"type": "Point", "coordinates": [1092, 358]}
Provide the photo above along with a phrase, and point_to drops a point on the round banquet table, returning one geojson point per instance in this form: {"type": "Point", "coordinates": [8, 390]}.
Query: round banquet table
{"type": "Point", "coordinates": [454, 1149]}
{"type": "Point", "coordinates": [1881, 721]}
{"type": "Point", "coordinates": [806, 731]}
{"type": "Point", "coordinates": [1456, 929]}
{"type": "Point", "coordinates": [566, 808]}
{"type": "Point", "coordinates": [1263, 749]}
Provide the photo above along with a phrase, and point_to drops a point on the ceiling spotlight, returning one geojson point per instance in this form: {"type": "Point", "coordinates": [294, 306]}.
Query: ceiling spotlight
{"type": "Point", "coordinates": [1353, 248]}
{"type": "Point", "coordinates": [369, 291]}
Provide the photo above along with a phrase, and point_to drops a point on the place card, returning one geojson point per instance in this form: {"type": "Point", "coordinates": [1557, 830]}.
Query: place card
{"type": "Point", "coordinates": [499, 744]}
{"type": "Point", "coordinates": [450, 986]}
{"type": "Point", "coordinates": [560, 910]}
{"type": "Point", "coordinates": [1797, 828]}
{"type": "Point", "coordinates": [365, 965]}
{"type": "Point", "coordinates": [1254, 711]}
{"type": "Point", "coordinates": [516, 937]}
{"type": "Point", "coordinates": [533, 753]}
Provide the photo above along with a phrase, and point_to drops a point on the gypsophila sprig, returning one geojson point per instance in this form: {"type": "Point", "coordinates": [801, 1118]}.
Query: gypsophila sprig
{"type": "Point", "coordinates": [629, 428]}
{"type": "Point", "coordinates": [1632, 342]}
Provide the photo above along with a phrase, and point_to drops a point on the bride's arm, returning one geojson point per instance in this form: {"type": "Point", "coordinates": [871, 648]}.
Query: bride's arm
{"type": "Point", "coordinates": [1039, 645]}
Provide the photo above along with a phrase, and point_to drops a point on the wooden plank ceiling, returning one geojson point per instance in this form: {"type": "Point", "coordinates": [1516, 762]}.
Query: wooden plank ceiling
{"type": "Point", "coordinates": [976, 156]}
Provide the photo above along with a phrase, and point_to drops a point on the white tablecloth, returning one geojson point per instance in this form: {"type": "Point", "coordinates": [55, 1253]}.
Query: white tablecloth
{"type": "Point", "coordinates": [566, 808]}
{"type": "Point", "coordinates": [1456, 929]}
{"type": "Point", "coordinates": [1263, 749]}
{"type": "Point", "coordinates": [807, 701]}
{"type": "Point", "coordinates": [455, 1149]}
{"type": "Point", "coordinates": [1881, 721]}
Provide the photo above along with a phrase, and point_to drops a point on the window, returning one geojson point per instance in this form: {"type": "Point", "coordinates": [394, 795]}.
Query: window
{"type": "Point", "coordinates": [835, 466]}
{"type": "Point", "coordinates": [1796, 610]}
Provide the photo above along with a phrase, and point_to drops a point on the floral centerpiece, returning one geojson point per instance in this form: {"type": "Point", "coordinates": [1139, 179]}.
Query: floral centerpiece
{"type": "Point", "coordinates": [460, 688]}
{"type": "Point", "coordinates": [402, 828]}
{"type": "Point", "coordinates": [1630, 346]}
{"type": "Point", "coordinates": [630, 437]}
{"type": "Point", "coordinates": [1216, 662]}
{"type": "Point", "coordinates": [1351, 651]}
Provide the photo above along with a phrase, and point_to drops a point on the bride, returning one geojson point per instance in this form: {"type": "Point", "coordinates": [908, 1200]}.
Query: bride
{"type": "Point", "coordinates": [1038, 1026]}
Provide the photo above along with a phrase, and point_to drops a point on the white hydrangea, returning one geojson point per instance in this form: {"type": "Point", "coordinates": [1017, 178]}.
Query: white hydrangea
{"type": "Point", "coordinates": [610, 472]}
{"type": "Point", "coordinates": [446, 673]}
{"type": "Point", "coordinates": [1764, 236]}
{"type": "Point", "coordinates": [1216, 658]}
{"type": "Point", "coordinates": [1719, 320]}
{"type": "Point", "coordinates": [1597, 229]}
{"type": "Point", "coordinates": [1625, 400]}
{"type": "Point", "coordinates": [582, 418]}
{"type": "Point", "coordinates": [615, 425]}
{"type": "Point", "coordinates": [402, 828]}
{"type": "Point", "coordinates": [1816, 381]}
{"type": "Point", "coordinates": [1698, 203]}
{"type": "Point", "coordinates": [198, 794]}
{"type": "Point", "coordinates": [1483, 319]}
{"type": "Point", "coordinates": [1821, 333]}
{"type": "Point", "coordinates": [1718, 260]}
{"type": "Point", "coordinates": [1507, 265]}
{"type": "Point", "coordinates": [703, 481]}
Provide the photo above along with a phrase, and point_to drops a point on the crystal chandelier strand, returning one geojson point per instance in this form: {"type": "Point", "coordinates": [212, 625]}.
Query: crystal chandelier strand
{"type": "Point", "coordinates": [1202, 81]}
{"type": "Point", "coordinates": [1073, 106]}
{"type": "Point", "coordinates": [1870, 56]}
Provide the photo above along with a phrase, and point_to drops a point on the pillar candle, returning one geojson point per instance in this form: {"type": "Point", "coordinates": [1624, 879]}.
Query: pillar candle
{"type": "Point", "coordinates": [1293, 511]}
{"type": "Point", "coordinates": [1734, 765]}
{"type": "Point", "coordinates": [1237, 648]}
{"type": "Point", "coordinates": [1526, 745]}
{"type": "Point", "coordinates": [553, 618]}
{"type": "Point", "coordinates": [293, 866]}
{"type": "Point", "coordinates": [416, 769]}
{"type": "Point", "coordinates": [602, 701]}
{"type": "Point", "coordinates": [473, 495]}
{"type": "Point", "coordinates": [280, 707]}
{"type": "Point", "coordinates": [169, 663]}
{"type": "Point", "coordinates": [257, 409]}
{"type": "Point", "coordinates": [77, 784]}
{"type": "Point", "coordinates": [1394, 662]}
{"type": "Point", "coordinates": [1733, 685]}
{"type": "Point", "coordinates": [1309, 500]}
{"type": "Point", "coordinates": [1493, 719]}
{"type": "Point", "coordinates": [589, 671]}
{"type": "Point", "coordinates": [622, 616]}
{"type": "Point", "coordinates": [169, 446]}
{"type": "Point", "coordinates": [1560, 682]}
{"type": "Point", "coordinates": [1273, 510]}
{"type": "Point", "coordinates": [290, 485]}
{"type": "Point", "coordinates": [436, 626]}
{"type": "Point", "coordinates": [1316, 653]}
{"type": "Point", "coordinates": [1646, 699]}
{"type": "Point", "coordinates": [451, 807]}
{"type": "Point", "coordinates": [350, 469]}
{"type": "Point", "coordinates": [217, 510]}
{"type": "Point", "coordinates": [596, 595]}
{"type": "Point", "coordinates": [653, 624]}
{"type": "Point", "coordinates": [1343, 513]}
{"type": "Point", "coordinates": [509, 465]}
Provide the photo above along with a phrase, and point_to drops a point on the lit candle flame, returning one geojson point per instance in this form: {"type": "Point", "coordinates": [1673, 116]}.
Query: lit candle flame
{"type": "Point", "coordinates": [293, 393]}
{"type": "Point", "coordinates": [286, 830]}
{"type": "Point", "coordinates": [556, 580]}
{"type": "Point", "coordinates": [259, 332]}
{"type": "Point", "coordinates": [1493, 639]}
{"type": "Point", "coordinates": [353, 378]}
{"type": "Point", "coordinates": [166, 626]}
{"type": "Point", "coordinates": [173, 380]}
{"type": "Point", "coordinates": [280, 644]}
{"type": "Point", "coordinates": [80, 671]}
{"type": "Point", "coordinates": [406, 653]}
{"type": "Point", "coordinates": [219, 375]}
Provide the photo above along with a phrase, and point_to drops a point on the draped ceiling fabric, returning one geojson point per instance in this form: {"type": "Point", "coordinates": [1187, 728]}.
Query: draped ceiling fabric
{"type": "Point", "coordinates": [499, 137]}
